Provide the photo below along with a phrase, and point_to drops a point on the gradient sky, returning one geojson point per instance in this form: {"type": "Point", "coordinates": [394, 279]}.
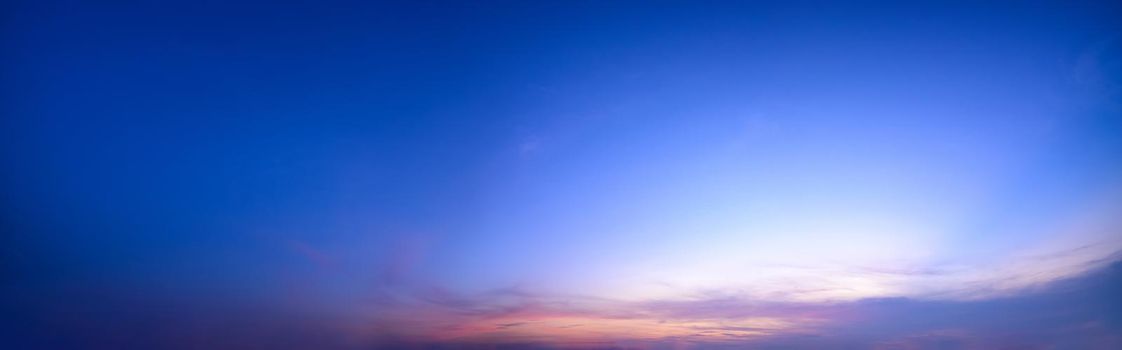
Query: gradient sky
{"type": "Point", "coordinates": [561, 174]}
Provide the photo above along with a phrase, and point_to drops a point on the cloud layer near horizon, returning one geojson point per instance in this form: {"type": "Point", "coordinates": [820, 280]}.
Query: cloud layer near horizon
{"type": "Point", "coordinates": [1080, 313]}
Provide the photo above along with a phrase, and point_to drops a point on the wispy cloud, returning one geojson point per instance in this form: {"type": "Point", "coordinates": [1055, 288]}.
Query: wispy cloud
{"type": "Point", "coordinates": [1070, 310]}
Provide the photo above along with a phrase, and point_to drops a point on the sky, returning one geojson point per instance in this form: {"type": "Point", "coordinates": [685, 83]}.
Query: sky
{"type": "Point", "coordinates": [561, 175]}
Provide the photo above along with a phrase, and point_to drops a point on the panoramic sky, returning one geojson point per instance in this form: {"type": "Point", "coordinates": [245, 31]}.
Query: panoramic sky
{"type": "Point", "coordinates": [561, 175]}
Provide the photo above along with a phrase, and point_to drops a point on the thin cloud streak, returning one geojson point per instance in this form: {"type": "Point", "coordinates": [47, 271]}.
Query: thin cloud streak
{"type": "Point", "coordinates": [1068, 313]}
{"type": "Point", "coordinates": [435, 315]}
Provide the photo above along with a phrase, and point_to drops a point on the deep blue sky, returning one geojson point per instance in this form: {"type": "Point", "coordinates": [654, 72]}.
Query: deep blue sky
{"type": "Point", "coordinates": [559, 173]}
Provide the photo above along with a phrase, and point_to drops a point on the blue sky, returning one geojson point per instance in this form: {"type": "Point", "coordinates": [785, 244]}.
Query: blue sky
{"type": "Point", "coordinates": [561, 174]}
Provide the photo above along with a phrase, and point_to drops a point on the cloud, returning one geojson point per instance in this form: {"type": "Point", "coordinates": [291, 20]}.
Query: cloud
{"type": "Point", "coordinates": [1055, 310]}
{"type": "Point", "coordinates": [1081, 313]}
{"type": "Point", "coordinates": [312, 254]}
{"type": "Point", "coordinates": [1075, 312]}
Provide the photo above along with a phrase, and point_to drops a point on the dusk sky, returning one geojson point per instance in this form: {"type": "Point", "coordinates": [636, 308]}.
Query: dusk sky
{"type": "Point", "coordinates": [561, 175]}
